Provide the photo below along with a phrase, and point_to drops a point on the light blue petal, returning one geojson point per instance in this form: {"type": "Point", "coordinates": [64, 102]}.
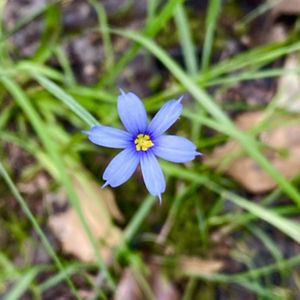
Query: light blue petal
{"type": "Point", "coordinates": [121, 167]}
{"type": "Point", "coordinates": [153, 176]}
{"type": "Point", "coordinates": [174, 148]}
{"type": "Point", "coordinates": [132, 113]}
{"type": "Point", "coordinates": [165, 117]}
{"type": "Point", "coordinates": [109, 137]}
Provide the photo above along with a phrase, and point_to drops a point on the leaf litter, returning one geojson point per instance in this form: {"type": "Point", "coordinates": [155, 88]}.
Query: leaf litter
{"type": "Point", "coordinates": [282, 148]}
{"type": "Point", "coordinates": [98, 207]}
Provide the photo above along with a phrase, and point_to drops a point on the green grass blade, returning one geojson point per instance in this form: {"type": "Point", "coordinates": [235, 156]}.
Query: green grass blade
{"type": "Point", "coordinates": [58, 277]}
{"type": "Point", "coordinates": [290, 228]}
{"type": "Point", "coordinates": [210, 24]}
{"type": "Point", "coordinates": [138, 218]}
{"type": "Point", "coordinates": [255, 57]}
{"type": "Point", "coordinates": [68, 100]}
{"type": "Point", "coordinates": [260, 10]}
{"type": "Point", "coordinates": [151, 10]}
{"type": "Point", "coordinates": [107, 43]}
{"type": "Point", "coordinates": [268, 242]}
{"type": "Point", "coordinates": [265, 293]}
{"type": "Point", "coordinates": [64, 61]}
{"type": "Point", "coordinates": [152, 28]}
{"type": "Point", "coordinates": [186, 42]}
{"type": "Point", "coordinates": [26, 20]}
{"type": "Point", "coordinates": [50, 34]}
{"type": "Point", "coordinates": [22, 285]}
{"type": "Point", "coordinates": [234, 79]}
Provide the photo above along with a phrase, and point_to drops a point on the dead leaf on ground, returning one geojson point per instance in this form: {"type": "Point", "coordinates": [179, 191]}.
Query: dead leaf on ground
{"type": "Point", "coordinates": [195, 265]}
{"type": "Point", "coordinates": [129, 287]}
{"type": "Point", "coordinates": [67, 226]}
{"type": "Point", "coordinates": [275, 31]}
{"type": "Point", "coordinates": [289, 85]}
{"type": "Point", "coordinates": [286, 7]}
{"type": "Point", "coordinates": [269, 27]}
{"type": "Point", "coordinates": [232, 159]}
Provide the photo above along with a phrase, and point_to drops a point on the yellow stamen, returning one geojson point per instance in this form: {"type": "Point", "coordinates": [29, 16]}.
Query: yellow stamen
{"type": "Point", "coordinates": [143, 142]}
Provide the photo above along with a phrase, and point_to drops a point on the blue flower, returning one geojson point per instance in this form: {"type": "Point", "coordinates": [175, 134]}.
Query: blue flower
{"type": "Point", "coordinates": [142, 143]}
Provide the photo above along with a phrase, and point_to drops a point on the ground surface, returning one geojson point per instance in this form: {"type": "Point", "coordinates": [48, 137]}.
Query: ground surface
{"type": "Point", "coordinates": [229, 224]}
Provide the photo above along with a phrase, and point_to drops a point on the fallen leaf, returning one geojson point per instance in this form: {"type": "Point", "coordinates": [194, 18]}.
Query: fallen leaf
{"type": "Point", "coordinates": [163, 288]}
{"type": "Point", "coordinates": [68, 228]}
{"type": "Point", "coordinates": [286, 7]}
{"type": "Point", "coordinates": [231, 159]}
{"type": "Point", "coordinates": [289, 86]}
{"type": "Point", "coordinates": [269, 27]}
{"type": "Point", "coordinates": [129, 287]}
{"type": "Point", "coordinates": [194, 265]}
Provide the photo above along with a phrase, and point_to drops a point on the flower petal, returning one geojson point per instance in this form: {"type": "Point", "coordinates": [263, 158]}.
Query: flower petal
{"type": "Point", "coordinates": [108, 136]}
{"type": "Point", "coordinates": [132, 113]}
{"type": "Point", "coordinates": [153, 176]}
{"type": "Point", "coordinates": [174, 148]}
{"type": "Point", "coordinates": [165, 117]}
{"type": "Point", "coordinates": [121, 167]}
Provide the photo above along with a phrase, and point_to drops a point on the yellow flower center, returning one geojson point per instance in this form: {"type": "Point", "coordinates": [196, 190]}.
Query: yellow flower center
{"type": "Point", "coordinates": [143, 142]}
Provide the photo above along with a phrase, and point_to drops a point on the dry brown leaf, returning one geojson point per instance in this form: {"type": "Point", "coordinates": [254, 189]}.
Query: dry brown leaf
{"type": "Point", "coordinates": [163, 289]}
{"type": "Point", "coordinates": [68, 229]}
{"type": "Point", "coordinates": [269, 28]}
{"type": "Point", "coordinates": [244, 169]}
{"type": "Point", "coordinates": [130, 289]}
{"type": "Point", "coordinates": [289, 86]}
{"type": "Point", "coordinates": [194, 265]}
{"type": "Point", "coordinates": [248, 120]}
{"type": "Point", "coordinates": [272, 30]}
{"type": "Point", "coordinates": [286, 7]}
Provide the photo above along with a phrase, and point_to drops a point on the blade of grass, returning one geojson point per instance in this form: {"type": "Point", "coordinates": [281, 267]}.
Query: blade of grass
{"type": "Point", "coordinates": [36, 227]}
{"type": "Point", "coordinates": [142, 212]}
{"type": "Point", "coordinates": [289, 263]}
{"type": "Point", "coordinates": [185, 39]}
{"type": "Point", "coordinates": [256, 56]}
{"type": "Point", "coordinates": [66, 66]}
{"type": "Point", "coordinates": [26, 20]}
{"type": "Point", "coordinates": [268, 242]}
{"type": "Point", "coordinates": [259, 289]}
{"type": "Point", "coordinates": [250, 76]}
{"type": "Point", "coordinates": [152, 28]}
{"type": "Point", "coordinates": [174, 211]}
{"type": "Point", "coordinates": [189, 55]}
{"type": "Point", "coordinates": [214, 7]}
{"type": "Point", "coordinates": [260, 10]}
{"type": "Point", "coordinates": [290, 228]}
{"type": "Point", "coordinates": [23, 284]}
{"type": "Point", "coordinates": [107, 44]}
{"type": "Point", "coordinates": [138, 218]}
{"type": "Point", "coordinates": [49, 35]}
{"type": "Point", "coordinates": [68, 100]}
{"type": "Point", "coordinates": [32, 148]}
{"type": "Point", "coordinates": [151, 10]}
{"type": "Point", "coordinates": [58, 277]}
{"type": "Point", "coordinates": [6, 113]}
{"type": "Point", "coordinates": [28, 66]}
